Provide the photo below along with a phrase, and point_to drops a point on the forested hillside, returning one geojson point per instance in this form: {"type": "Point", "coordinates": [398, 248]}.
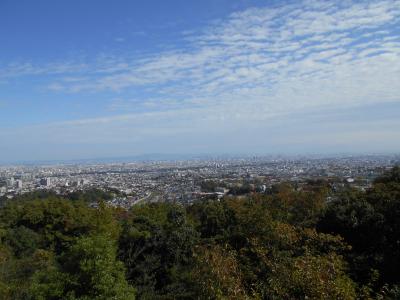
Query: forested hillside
{"type": "Point", "coordinates": [287, 244]}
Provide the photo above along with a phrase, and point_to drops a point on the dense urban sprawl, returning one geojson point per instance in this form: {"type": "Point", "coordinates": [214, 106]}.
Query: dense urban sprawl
{"type": "Point", "coordinates": [186, 181]}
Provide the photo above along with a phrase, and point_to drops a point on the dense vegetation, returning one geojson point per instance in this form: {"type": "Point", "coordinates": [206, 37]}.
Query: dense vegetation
{"type": "Point", "coordinates": [288, 244]}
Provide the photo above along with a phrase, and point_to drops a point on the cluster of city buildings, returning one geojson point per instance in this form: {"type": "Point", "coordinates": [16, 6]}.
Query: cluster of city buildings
{"type": "Point", "coordinates": [186, 181]}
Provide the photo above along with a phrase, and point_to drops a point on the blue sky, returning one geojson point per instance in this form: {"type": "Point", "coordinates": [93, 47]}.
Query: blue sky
{"type": "Point", "coordinates": [87, 79]}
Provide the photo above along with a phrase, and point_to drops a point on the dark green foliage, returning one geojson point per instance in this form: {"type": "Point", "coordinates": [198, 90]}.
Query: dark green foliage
{"type": "Point", "coordinates": [241, 190]}
{"type": "Point", "coordinates": [36, 195]}
{"type": "Point", "coordinates": [209, 185]}
{"type": "Point", "coordinates": [156, 245]}
{"type": "Point", "coordinates": [56, 221]}
{"type": "Point", "coordinates": [391, 177]}
{"type": "Point", "coordinates": [22, 240]}
{"type": "Point", "coordinates": [370, 223]}
{"type": "Point", "coordinates": [90, 196]}
{"type": "Point", "coordinates": [212, 218]}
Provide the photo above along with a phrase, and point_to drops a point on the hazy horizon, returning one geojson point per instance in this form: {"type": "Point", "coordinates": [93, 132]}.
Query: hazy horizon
{"type": "Point", "coordinates": [182, 157]}
{"type": "Point", "coordinates": [87, 79]}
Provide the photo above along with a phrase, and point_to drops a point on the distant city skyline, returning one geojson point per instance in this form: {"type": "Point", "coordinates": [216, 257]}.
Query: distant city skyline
{"type": "Point", "coordinates": [90, 79]}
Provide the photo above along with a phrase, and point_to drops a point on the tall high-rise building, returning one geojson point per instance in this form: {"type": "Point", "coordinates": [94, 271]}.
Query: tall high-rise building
{"type": "Point", "coordinates": [3, 190]}
{"type": "Point", "coordinates": [45, 181]}
{"type": "Point", "coordinates": [18, 184]}
{"type": "Point", "coordinates": [10, 182]}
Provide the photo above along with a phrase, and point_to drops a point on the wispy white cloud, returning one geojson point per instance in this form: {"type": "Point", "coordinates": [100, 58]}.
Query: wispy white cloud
{"type": "Point", "coordinates": [309, 43]}
{"type": "Point", "coordinates": [119, 39]}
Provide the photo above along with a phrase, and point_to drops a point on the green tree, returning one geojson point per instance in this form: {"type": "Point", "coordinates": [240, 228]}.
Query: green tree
{"type": "Point", "coordinates": [89, 270]}
{"type": "Point", "coordinates": [370, 222]}
{"type": "Point", "coordinates": [156, 246]}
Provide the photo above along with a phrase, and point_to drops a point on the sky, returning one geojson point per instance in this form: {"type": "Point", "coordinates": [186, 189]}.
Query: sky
{"type": "Point", "coordinates": [87, 79]}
